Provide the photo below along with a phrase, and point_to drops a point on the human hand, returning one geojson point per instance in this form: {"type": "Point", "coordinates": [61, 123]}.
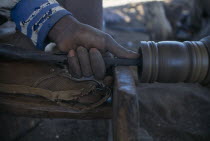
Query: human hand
{"type": "Point", "coordinates": [85, 45]}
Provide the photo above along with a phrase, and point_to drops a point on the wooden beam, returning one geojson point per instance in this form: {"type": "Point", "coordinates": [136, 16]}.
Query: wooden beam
{"type": "Point", "coordinates": [125, 106]}
{"type": "Point", "coordinates": [39, 107]}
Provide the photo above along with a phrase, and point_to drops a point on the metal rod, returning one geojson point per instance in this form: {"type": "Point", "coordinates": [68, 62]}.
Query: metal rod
{"type": "Point", "coordinates": [8, 52]}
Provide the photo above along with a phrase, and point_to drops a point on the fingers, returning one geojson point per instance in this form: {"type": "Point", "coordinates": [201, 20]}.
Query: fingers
{"type": "Point", "coordinates": [84, 60]}
{"type": "Point", "coordinates": [74, 67]}
{"type": "Point", "coordinates": [97, 63]}
{"type": "Point", "coordinates": [119, 51]}
{"type": "Point", "coordinates": [108, 55]}
{"type": "Point", "coordinates": [84, 63]}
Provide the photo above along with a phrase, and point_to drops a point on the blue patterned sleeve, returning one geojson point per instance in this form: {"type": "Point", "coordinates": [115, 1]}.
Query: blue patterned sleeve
{"type": "Point", "coordinates": [35, 18]}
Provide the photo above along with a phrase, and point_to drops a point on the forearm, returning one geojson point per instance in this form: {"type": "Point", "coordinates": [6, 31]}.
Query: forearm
{"type": "Point", "coordinates": [36, 18]}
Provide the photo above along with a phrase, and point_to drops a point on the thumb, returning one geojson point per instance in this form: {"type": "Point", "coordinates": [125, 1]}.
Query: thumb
{"type": "Point", "coordinates": [118, 50]}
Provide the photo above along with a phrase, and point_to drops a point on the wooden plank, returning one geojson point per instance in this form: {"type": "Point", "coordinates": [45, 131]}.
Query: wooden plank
{"type": "Point", "coordinates": [125, 106]}
{"type": "Point", "coordinates": [41, 108]}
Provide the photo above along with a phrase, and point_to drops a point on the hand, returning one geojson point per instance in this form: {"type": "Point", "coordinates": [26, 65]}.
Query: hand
{"type": "Point", "coordinates": [81, 41]}
{"type": "Point", "coordinates": [81, 62]}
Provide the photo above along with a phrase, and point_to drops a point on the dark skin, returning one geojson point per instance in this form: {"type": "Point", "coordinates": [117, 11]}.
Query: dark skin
{"type": "Point", "coordinates": [86, 46]}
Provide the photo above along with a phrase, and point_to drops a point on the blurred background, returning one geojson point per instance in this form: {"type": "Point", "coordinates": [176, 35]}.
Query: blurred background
{"type": "Point", "coordinates": [131, 21]}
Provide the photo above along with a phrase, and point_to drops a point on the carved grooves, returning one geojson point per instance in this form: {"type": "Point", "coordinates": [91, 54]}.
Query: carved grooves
{"type": "Point", "coordinates": [174, 62]}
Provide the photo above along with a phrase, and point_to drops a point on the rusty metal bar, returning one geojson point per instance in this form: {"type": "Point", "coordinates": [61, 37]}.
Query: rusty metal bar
{"type": "Point", "coordinates": [8, 52]}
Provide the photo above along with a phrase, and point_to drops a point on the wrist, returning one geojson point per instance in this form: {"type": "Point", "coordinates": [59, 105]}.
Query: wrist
{"type": "Point", "coordinates": [35, 19]}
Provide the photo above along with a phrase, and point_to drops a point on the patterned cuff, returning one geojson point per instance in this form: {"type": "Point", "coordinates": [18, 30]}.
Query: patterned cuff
{"type": "Point", "coordinates": [36, 18]}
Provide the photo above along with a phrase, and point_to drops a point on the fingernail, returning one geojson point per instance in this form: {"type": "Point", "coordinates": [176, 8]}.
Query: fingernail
{"type": "Point", "coordinates": [81, 49]}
